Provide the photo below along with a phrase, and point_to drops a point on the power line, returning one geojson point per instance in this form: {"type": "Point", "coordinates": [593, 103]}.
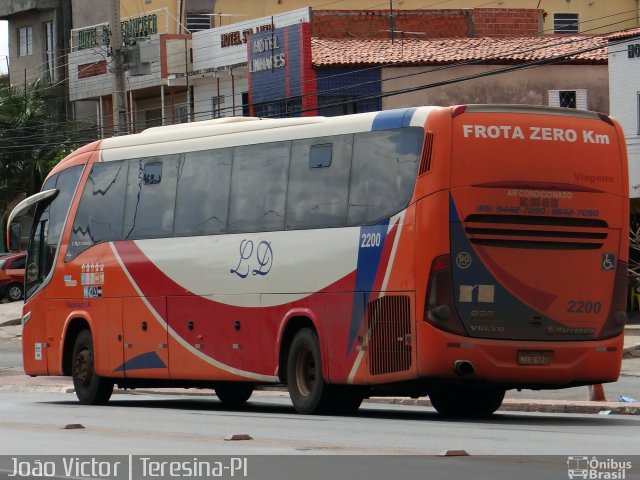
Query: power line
{"type": "Point", "coordinates": [379, 96]}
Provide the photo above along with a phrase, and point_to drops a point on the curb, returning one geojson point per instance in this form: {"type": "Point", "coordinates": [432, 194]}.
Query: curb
{"type": "Point", "coordinates": [540, 406]}
{"type": "Point", "coordinates": [11, 323]}
{"type": "Point", "coordinates": [631, 352]}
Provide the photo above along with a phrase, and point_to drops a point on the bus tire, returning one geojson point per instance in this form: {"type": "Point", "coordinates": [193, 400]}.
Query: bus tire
{"type": "Point", "coordinates": [90, 388]}
{"type": "Point", "coordinates": [309, 393]}
{"type": "Point", "coordinates": [347, 400]}
{"type": "Point", "coordinates": [234, 394]}
{"type": "Point", "coordinates": [469, 403]}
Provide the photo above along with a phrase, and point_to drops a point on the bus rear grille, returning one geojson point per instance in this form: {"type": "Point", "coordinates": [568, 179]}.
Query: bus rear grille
{"type": "Point", "coordinates": [536, 232]}
{"type": "Point", "coordinates": [389, 325]}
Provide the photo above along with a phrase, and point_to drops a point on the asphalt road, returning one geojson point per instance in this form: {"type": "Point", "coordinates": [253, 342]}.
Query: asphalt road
{"type": "Point", "coordinates": [151, 424]}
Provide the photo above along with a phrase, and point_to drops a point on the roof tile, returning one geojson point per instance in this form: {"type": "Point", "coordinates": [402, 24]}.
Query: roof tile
{"type": "Point", "coordinates": [411, 51]}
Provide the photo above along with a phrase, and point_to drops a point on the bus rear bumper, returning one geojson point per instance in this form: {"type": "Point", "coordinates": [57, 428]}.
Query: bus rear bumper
{"type": "Point", "coordinates": [521, 364]}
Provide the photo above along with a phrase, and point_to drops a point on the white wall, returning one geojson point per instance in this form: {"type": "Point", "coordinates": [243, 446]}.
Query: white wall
{"type": "Point", "coordinates": [624, 87]}
{"type": "Point", "coordinates": [209, 53]}
{"type": "Point", "coordinates": [206, 88]}
{"type": "Point", "coordinates": [101, 85]}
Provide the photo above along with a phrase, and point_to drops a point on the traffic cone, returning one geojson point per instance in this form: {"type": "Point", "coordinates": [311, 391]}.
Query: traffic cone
{"type": "Point", "coordinates": [596, 393]}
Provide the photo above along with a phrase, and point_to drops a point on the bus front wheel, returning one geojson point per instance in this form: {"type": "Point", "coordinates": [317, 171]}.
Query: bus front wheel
{"type": "Point", "coordinates": [90, 388]}
{"type": "Point", "coordinates": [468, 402]}
{"type": "Point", "coordinates": [309, 393]}
{"type": "Point", "coordinates": [234, 395]}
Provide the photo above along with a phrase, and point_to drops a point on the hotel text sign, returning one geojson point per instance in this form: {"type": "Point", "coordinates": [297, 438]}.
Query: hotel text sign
{"type": "Point", "coordinates": [239, 37]}
{"type": "Point", "coordinates": [132, 28]}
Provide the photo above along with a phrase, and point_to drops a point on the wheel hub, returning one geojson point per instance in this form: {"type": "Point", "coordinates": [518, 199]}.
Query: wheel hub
{"type": "Point", "coordinates": [306, 372]}
{"type": "Point", "coordinates": [83, 367]}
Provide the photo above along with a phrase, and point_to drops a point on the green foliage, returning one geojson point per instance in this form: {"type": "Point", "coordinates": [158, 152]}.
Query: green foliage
{"type": "Point", "coordinates": [32, 142]}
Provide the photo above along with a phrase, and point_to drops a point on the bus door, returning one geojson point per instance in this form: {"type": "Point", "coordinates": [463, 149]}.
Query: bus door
{"type": "Point", "coordinates": [146, 353]}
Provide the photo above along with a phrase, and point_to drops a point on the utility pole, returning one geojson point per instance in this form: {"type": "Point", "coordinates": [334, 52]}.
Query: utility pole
{"type": "Point", "coordinates": [119, 80]}
{"type": "Point", "coordinates": [392, 21]}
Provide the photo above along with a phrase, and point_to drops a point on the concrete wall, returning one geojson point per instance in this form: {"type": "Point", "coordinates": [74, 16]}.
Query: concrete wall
{"type": "Point", "coordinates": [32, 64]}
{"type": "Point", "coordinates": [89, 13]}
{"type": "Point", "coordinates": [595, 16]}
{"type": "Point", "coordinates": [529, 86]}
{"type": "Point", "coordinates": [12, 7]}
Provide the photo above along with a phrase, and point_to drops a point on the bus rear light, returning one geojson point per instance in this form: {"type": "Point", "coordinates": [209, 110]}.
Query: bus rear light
{"type": "Point", "coordinates": [617, 317]}
{"type": "Point", "coordinates": [606, 349]}
{"type": "Point", "coordinates": [440, 305]}
{"type": "Point", "coordinates": [605, 118]}
{"type": "Point", "coordinates": [458, 110]}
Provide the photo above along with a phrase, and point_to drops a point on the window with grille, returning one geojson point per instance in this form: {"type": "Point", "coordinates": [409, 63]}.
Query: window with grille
{"type": "Point", "coordinates": [198, 21]}
{"type": "Point", "coordinates": [180, 114]}
{"type": "Point", "coordinates": [49, 52]}
{"type": "Point", "coordinates": [569, 98]}
{"type": "Point", "coordinates": [25, 41]}
{"type": "Point", "coordinates": [217, 107]}
{"type": "Point", "coordinates": [565, 23]}
{"type": "Point", "coordinates": [153, 117]}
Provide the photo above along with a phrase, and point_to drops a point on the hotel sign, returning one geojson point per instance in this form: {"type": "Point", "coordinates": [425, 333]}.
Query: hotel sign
{"type": "Point", "coordinates": [238, 37]}
{"type": "Point", "coordinates": [132, 28]}
{"type": "Point", "coordinates": [267, 55]}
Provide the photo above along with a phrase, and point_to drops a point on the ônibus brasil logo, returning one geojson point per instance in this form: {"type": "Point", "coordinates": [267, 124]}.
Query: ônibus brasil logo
{"type": "Point", "coordinates": [597, 469]}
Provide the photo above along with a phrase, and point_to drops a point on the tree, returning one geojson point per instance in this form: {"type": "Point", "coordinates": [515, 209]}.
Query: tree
{"type": "Point", "coordinates": [32, 142]}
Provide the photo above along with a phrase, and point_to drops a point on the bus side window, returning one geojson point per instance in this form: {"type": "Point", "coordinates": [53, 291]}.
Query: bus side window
{"type": "Point", "coordinates": [99, 216]}
{"type": "Point", "coordinates": [258, 187]}
{"type": "Point", "coordinates": [150, 199]}
{"type": "Point", "coordinates": [383, 173]}
{"type": "Point", "coordinates": [320, 155]}
{"type": "Point", "coordinates": [319, 182]}
{"type": "Point", "coordinates": [202, 199]}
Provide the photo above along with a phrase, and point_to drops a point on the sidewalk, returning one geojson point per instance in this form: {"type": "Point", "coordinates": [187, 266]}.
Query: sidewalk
{"type": "Point", "coordinates": [13, 379]}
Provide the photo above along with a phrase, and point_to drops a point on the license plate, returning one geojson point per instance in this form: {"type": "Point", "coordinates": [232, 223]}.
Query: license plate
{"type": "Point", "coordinates": [534, 357]}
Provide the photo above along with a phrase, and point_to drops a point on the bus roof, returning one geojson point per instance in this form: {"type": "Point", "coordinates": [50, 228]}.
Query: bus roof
{"type": "Point", "coordinates": [250, 130]}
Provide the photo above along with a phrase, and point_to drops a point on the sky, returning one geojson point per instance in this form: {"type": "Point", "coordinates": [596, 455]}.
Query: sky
{"type": "Point", "coordinates": [4, 45]}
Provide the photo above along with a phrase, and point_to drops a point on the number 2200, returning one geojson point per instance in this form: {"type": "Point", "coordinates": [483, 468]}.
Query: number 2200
{"type": "Point", "coordinates": [582, 306]}
{"type": "Point", "coordinates": [370, 240]}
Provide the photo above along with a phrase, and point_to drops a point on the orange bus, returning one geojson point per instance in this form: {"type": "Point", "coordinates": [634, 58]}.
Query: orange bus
{"type": "Point", "coordinates": [450, 252]}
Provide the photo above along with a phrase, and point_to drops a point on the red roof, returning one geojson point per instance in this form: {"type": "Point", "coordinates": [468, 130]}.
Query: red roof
{"type": "Point", "coordinates": [411, 51]}
{"type": "Point", "coordinates": [631, 32]}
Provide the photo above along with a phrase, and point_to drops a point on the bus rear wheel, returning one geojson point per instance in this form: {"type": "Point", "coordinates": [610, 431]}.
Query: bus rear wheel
{"type": "Point", "coordinates": [309, 393]}
{"type": "Point", "coordinates": [467, 402]}
{"type": "Point", "coordinates": [234, 395]}
{"type": "Point", "coordinates": [347, 400]}
{"type": "Point", "coordinates": [90, 388]}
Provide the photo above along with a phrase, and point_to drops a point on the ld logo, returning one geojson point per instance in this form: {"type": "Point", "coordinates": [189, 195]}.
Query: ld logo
{"type": "Point", "coordinates": [257, 261]}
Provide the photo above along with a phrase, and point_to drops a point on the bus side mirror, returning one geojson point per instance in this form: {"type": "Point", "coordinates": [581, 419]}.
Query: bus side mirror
{"type": "Point", "coordinates": [15, 229]}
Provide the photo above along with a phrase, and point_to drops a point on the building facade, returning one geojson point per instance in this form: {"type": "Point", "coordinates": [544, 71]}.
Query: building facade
{"type": "Point", "coordinates": [220, 76]}
{"type": "Point", "coordinates": [624, 90]}
{"type": "Point", "coordinates": [560, 16]}
{"type": "Point", "coordinates": [37, 39]}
